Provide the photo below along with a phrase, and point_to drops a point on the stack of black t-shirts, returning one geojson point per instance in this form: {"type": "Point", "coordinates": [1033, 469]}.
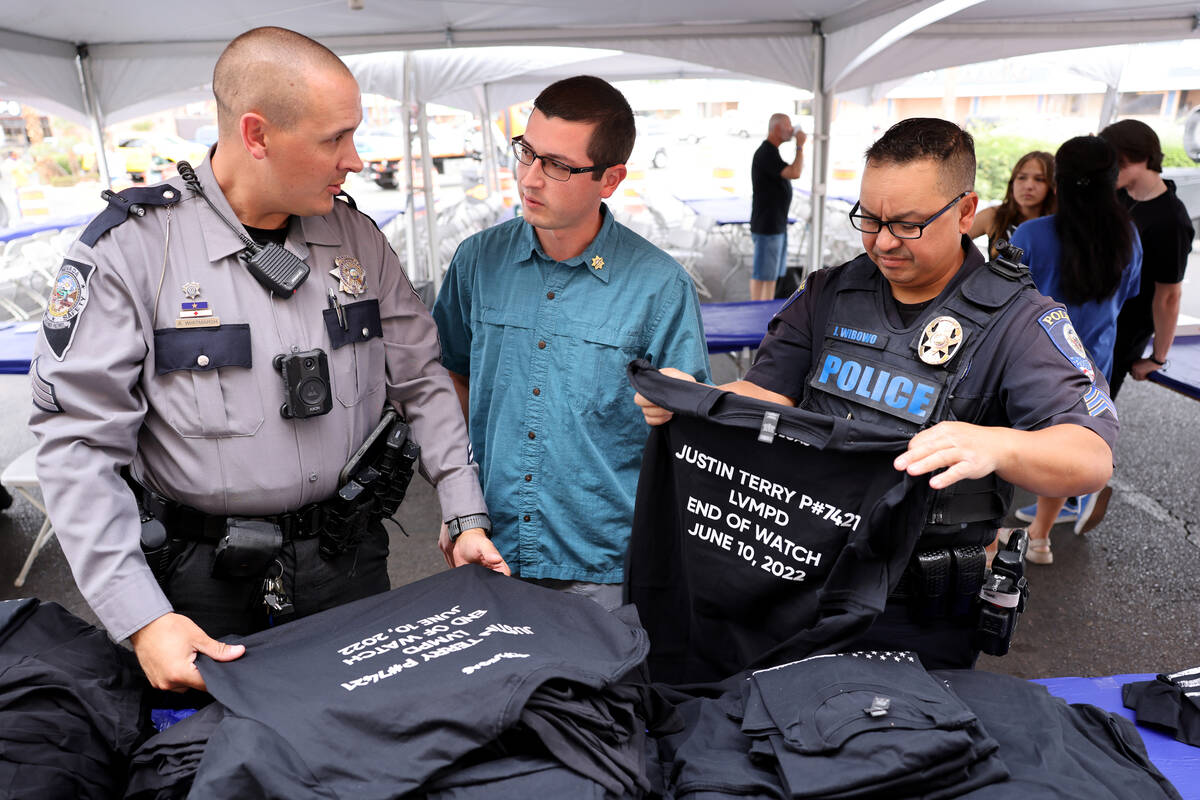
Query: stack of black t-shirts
{"type": "Point", "coordinates": [164, 766]}
{"type": "Point", "coordinates": [466, 684]}
{"type": "Point", "coordinates": [866, 724]}
{"type": "Point", "coordinates": [1054, 750]}
{"type": "Point", "coordinates": [854, 725]}
{"type": "Point", "coordinates": [70, 705]}
{"type": "Point", "coordinates": [1170, 702]}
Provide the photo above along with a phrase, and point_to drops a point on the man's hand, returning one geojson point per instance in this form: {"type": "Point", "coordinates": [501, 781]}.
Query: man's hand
{"type": "Point", "coordinates": [962, 449]}
{"type": "Point", "coordinates": [167, 648]}
{"type": "Point", "coordinates": [474, 547]}
{"type": "Point", "coordinates": [801, 138]}
{"type": "Point", "coordinates": [656, 415]}
{"type": "Point", "coordinates": [1141, 369]}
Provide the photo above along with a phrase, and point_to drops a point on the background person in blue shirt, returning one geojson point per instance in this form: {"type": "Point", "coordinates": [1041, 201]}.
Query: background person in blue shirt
{"type": "Point", "coordinates": [538, 318]}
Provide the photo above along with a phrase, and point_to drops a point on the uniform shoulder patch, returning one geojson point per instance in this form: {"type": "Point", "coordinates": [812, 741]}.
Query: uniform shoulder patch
{"type": "Point", "coordinates": [1057, 324]}
{"type": "Point", "coordinates": [795, 295]}
{"type": "Point", "coordinates": [68, 299]}
{"type": "Point", "coordinates": [44, 396]}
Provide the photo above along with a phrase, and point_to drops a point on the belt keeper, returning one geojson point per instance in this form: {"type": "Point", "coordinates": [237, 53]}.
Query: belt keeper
{"type": "Point", "coordinates": [766, 431]}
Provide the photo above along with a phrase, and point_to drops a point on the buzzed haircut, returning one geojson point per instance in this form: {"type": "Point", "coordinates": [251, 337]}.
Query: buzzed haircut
{"type": "Point", "coordinates": [265, 70]}
{"type": "Point", "coordinates": [586, 98]}
{"type": "Point", "coordinates": [929, 138]}
{"type": "Point", "coordinates": [1135, 142]}
{"type": "Point", "coordinates": [775, 121]}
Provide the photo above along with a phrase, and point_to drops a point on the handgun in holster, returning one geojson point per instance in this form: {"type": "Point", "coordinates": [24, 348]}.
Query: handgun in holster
{"type": "Point", "coordinates": [1003, 596]}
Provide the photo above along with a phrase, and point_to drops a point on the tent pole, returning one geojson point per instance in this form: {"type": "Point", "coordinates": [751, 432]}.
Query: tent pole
{"type": "Point", "coordinates": [435, 267]}
{"type": "Point", "coordinates": [822, 107]}
{"type": "Point", "coordinates": [489, 144]}
{"type": "Point", "coordinates": [410, 210]}
{"type": "Point", "coordinates": [92, 106]}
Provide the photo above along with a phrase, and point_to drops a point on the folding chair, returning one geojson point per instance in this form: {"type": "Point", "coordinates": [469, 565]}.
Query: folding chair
{"type": "Point", "coordinates": [20, 478]}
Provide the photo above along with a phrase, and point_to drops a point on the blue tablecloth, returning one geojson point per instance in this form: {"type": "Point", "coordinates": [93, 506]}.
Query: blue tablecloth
{"type": "Point", "coordinates": [729, 327]}
{"type": "Point", "coordinates": [1183, 368]}
{"type": "Point", "coordinates": [731, 210]}
{"type": "Point", "coordinates": [1179, 762]}
{"type": "Point", "coordinates": [30, 227]}
{"type": "Point", "coordinates": [16, 346]}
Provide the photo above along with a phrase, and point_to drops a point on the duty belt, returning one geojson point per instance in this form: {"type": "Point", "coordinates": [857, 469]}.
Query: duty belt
{"type": "Point", "coordinates": [185, 522]}
{"type": "Point", "coordinates": [943, 582]}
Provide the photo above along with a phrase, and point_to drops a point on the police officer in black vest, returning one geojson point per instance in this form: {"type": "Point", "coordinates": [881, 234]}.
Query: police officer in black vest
{"type": "Point", "coordinates": [921, 335]}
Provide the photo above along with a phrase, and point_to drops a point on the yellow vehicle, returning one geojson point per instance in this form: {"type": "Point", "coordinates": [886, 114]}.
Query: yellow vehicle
{"type": "Point", "coordinates": [157, 153]}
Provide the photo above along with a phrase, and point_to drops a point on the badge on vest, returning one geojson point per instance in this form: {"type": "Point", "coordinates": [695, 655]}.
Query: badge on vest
{"type": "Point", "coordinates": [195, 313]}
{"type": "Point", "coordinates": [68, 299]}
{"type": "Point", "coordinates": [882, 387]}
{"type": "Point", "coordinates": [1057, 324]}
{"type": "Point", "coordinates": [940, 341]}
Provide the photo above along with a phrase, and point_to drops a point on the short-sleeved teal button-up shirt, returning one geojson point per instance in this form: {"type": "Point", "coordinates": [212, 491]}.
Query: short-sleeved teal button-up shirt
{"type": "Point", "coordinates": [552, 420]}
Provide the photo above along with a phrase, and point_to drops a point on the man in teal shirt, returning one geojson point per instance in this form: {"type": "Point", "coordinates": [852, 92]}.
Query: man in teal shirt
{"type": "Point", "coordinates": [538, 317]}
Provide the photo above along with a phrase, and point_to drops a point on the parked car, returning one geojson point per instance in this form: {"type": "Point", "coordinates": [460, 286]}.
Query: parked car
{"type": "Point", "coordinates": [154, 153]}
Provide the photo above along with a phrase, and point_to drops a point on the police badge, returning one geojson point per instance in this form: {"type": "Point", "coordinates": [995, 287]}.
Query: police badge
{"type": "Point", "coordinates": [351, 275]}
{"type": "Point", "coordinates": [940, 340]}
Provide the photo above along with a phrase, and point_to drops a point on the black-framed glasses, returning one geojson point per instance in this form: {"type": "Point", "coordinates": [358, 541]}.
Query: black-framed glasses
{"type": "Point", "coordinates": [552, 167]}
{"type": "Point", "coordinates": [901, 230]}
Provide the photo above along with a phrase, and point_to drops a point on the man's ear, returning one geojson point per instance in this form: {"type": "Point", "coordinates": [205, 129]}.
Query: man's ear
{"type": "Point", "coordinates": [253, 128]}
{"type": "Point", "coordinates": [612, 179]}
{"type": "Point", "coordinates": [967, 208]}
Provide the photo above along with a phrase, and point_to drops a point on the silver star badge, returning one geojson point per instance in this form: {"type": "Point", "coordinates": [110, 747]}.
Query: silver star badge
{"type": "Point", "coordinates": [191, 290]}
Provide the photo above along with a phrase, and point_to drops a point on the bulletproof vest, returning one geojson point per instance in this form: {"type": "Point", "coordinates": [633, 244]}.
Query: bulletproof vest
{"type": "Point", "coordinates": [906, 381]}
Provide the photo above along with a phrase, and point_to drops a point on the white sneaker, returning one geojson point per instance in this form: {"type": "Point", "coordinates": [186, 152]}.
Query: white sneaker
{"type": "Point", "coordinates": [1092, 508]}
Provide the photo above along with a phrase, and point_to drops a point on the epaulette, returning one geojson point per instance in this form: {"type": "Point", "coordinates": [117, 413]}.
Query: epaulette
{"type": "Point", "coordinates": [122, 204]}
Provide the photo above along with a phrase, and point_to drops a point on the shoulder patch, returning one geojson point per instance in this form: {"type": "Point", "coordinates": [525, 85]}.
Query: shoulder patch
{"type": "Point", "coordinates": [1057, 324]}
{"type": "Point", "coordinates": [44, 396]}
{"type": "Point", "coordinates": [799, 291]}
{"type": "Point", "coordinates": [68, 299]}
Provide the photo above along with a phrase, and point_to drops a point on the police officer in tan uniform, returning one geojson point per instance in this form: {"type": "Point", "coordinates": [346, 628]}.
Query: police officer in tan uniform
{"type": "Point", "coordinates": [157, 389]}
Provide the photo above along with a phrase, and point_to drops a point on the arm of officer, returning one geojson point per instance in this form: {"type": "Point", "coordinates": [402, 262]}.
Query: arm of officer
{"type": "Point", "coordinates": [657, 415]}
{"type": "Point", "coordinates": [88, 406]}
{"type": "Point", "coordinates": [1056, 461]}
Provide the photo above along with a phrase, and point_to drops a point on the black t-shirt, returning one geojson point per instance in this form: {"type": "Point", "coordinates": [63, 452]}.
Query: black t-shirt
{"type": "Point", "coordinates": [772, 192]}
{"type": "Point", "coordinates": [1166, 232]}
{"type": "Point", "coordinates": [444, 666]}
{"type": "Point", "coordinates": [745, 551]}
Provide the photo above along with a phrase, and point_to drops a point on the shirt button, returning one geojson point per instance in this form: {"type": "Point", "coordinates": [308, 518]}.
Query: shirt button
{"type": "Point", "coordinates": [202, 361]}
{"type": "Point", "coordinates": [542, 345]}
{"type": "Point", "coordinates": [526, 518]}
{"type": "Point", "coordinates": [536, 391]}
{"type": "Point", "coordinates": [312, 477]}
{"type": "Point", "coordinates": [532, 435]}
{"type": "Point", "coordinates": [528, 478]}
{"type": "Point", "coordinates": [549, 295]}
{"type": "Point", "coordinates": [366, 332]}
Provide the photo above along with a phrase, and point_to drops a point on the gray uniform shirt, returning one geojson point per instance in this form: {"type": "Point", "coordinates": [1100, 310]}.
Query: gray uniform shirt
{"type": "Point", "coordinates": [209, 433]}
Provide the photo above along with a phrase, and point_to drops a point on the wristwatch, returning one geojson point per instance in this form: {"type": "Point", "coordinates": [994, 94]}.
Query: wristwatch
{"type": "Point", "coordinates": [460, 524]}
{"type": "Point", "coordinates": [1162, 363]}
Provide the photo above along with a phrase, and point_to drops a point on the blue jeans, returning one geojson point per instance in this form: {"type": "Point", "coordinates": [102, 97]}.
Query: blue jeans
{"type": "Point", "coordinates": [770, 256]}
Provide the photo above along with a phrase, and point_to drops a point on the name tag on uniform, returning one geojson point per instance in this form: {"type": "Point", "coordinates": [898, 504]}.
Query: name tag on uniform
{"type": "Point", "coordinates": [882, 387]}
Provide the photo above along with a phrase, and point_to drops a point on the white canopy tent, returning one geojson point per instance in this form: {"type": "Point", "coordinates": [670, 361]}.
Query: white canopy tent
{"type": "Point", "coordinates": [101, 60]}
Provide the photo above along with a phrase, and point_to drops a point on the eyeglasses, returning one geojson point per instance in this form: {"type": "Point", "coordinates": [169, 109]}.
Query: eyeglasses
{"type": "Point", "coordinates": [551, 167]}
{"type": "Point", "coordinates": [901, 230]}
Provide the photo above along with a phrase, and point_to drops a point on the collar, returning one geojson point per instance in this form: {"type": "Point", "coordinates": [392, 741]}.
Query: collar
{"type": "Point", "coordinates": [220, 242]}
{"type": "Point", "coordinates": [593, 256]}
